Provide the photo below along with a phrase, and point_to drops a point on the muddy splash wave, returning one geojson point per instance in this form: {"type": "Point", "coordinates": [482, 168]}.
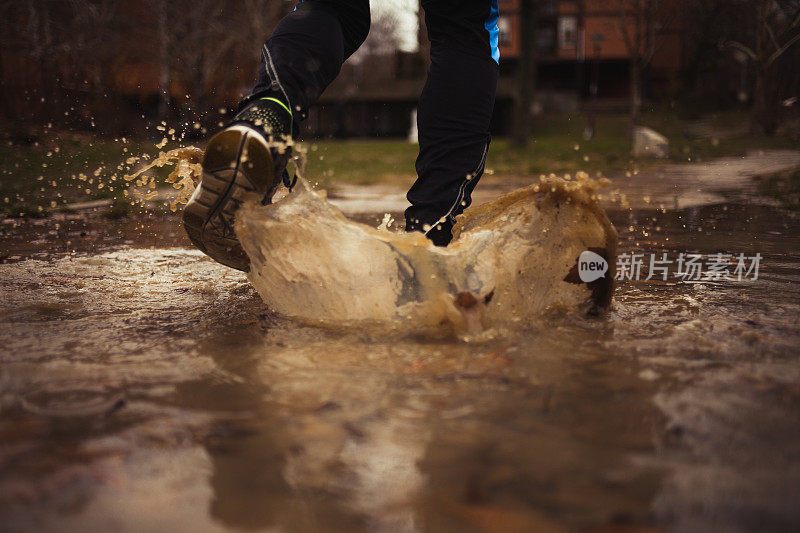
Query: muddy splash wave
{"type": "Point", "coordinates": [511, 260]}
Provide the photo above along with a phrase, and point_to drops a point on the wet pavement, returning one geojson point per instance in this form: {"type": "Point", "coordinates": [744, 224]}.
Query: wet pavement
{"type": "Point", "coordinates": [144, 387]}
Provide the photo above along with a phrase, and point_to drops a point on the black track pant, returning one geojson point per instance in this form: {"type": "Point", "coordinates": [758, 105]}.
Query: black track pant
{"type": "Point", "coordinates": [306, 51]}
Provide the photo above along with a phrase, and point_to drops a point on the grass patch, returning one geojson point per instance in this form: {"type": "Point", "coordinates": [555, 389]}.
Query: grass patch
{"type": "Point", "coordinates": [33, 176]}
{"type": "Point", "coordinates": [726, 136]}
{"type": "Point", "coordinates": [362, 162]}
{"type": "Point", "coordinates": [557, 145]}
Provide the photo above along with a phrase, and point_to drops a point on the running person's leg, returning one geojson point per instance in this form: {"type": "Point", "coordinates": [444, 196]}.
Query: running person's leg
{"type": "Point", "coordinates": [306, 51]}
{"type": "Point", "coordinates": [301, 57]}
{"type": "Point", "coordinates": [454, 113]}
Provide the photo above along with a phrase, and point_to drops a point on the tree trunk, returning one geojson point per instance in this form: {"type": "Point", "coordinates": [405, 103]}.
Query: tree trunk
{"type": "Point", "coordinates": [636, 93]}
{"type": "Point", "coordinates": [36, 21]}
{"type": "Point", "coordinates": [164, 61]}
{"type": "Point", "coordinates": [765, 117]}
{"type": "Point", "coordinates": [526, 70]}
{"type": "Point", "coordinates": [637, 60]}
{"type": "Point", "coordinates": [765, 109]}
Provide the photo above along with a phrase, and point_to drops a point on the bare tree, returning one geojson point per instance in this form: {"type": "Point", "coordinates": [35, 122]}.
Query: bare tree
{"type": "Point", "coordinates": [198, 40]}
{"type": "Point", "coordinates": [777, 31]}
{"type": "Point", "coordinates": [639, 22]}
{"type": "Point", "coordinates": [70, 44]}
{"type": "Point", "coordinates": [40, 37]}
{"type": "Point", "coordinates": [89, 40]}
{"type": "Point", "coordinates": [199, 37]}
{"type": "Point", "coordinates": [164, 64]}
{"type": "Point", "coordinates": [382, 39]}
{"type": "Point", "coordinates": [77, 53]}
{"type": "Point", "coordinates": [259, 19]}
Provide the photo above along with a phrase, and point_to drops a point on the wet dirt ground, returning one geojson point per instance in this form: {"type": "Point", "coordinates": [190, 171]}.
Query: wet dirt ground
{"type": "Point", "coordinates": [144, 387]}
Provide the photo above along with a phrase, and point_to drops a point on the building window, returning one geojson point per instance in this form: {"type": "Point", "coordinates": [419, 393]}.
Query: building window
{"type": "Point", "coordinates": [567, 32]}
{"type": "Point", "coordinates": [504, 27]}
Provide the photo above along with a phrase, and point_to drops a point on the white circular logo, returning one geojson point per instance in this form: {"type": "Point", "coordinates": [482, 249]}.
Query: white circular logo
{"type": "Point", "coordinates": [591, 266]}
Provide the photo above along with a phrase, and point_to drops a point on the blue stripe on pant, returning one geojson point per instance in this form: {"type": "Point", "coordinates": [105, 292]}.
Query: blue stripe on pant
{"type": "Point", "coordinates": [494, 31]}
{"type": "Point", "coordinates": [455, 110]}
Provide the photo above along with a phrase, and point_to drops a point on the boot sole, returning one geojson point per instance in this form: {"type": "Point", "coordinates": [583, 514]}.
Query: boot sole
{"type": "Point", "coordinates": [237, 163]}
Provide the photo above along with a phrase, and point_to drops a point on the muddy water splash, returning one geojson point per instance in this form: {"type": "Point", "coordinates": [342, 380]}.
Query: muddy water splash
{"type": "Point", "coordinates": [510, 260]}
{"type": "Point", "coordinates": [184, 177]}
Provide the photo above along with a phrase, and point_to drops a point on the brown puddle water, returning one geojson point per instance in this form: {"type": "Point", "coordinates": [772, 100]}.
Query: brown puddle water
{"type": "Point", "coordinates": [149, 389]}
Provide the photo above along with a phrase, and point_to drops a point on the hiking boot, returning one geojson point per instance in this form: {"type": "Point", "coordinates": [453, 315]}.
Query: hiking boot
{"type": "Point", "coordinates": [248, 157]}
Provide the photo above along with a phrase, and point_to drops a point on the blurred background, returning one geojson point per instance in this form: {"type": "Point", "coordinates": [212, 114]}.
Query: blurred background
{"type": "Point", "coordinates": [116, 67]}
{"type": "Point", "coordinates": [594, 85]}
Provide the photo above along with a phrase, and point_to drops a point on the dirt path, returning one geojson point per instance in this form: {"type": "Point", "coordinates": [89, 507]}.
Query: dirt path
{"type": "Point", "coordinates": [694, 184]}
{"type": "Point", "coordinates": [672, 186]}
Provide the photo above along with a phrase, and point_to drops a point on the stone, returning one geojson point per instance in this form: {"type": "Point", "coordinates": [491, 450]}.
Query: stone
{"type": "Point", "coordinates": [649, 143]}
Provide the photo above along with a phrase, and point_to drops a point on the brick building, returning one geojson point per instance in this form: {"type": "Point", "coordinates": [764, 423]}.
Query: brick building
{"type": "Point", "coordinates": [575, 33]}
{"type": "Point", "coordinates": [577, 43]}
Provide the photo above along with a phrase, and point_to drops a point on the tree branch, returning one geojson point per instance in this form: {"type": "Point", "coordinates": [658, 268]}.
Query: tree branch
{"type": "Point", "coordinates": [772, 36]}
{"type": "Point", "coordinates": [622, 29]}
{"type": "Point", "coordinates": [742, 48]}
{"type": "Point", "coordinates": [779, 52]}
